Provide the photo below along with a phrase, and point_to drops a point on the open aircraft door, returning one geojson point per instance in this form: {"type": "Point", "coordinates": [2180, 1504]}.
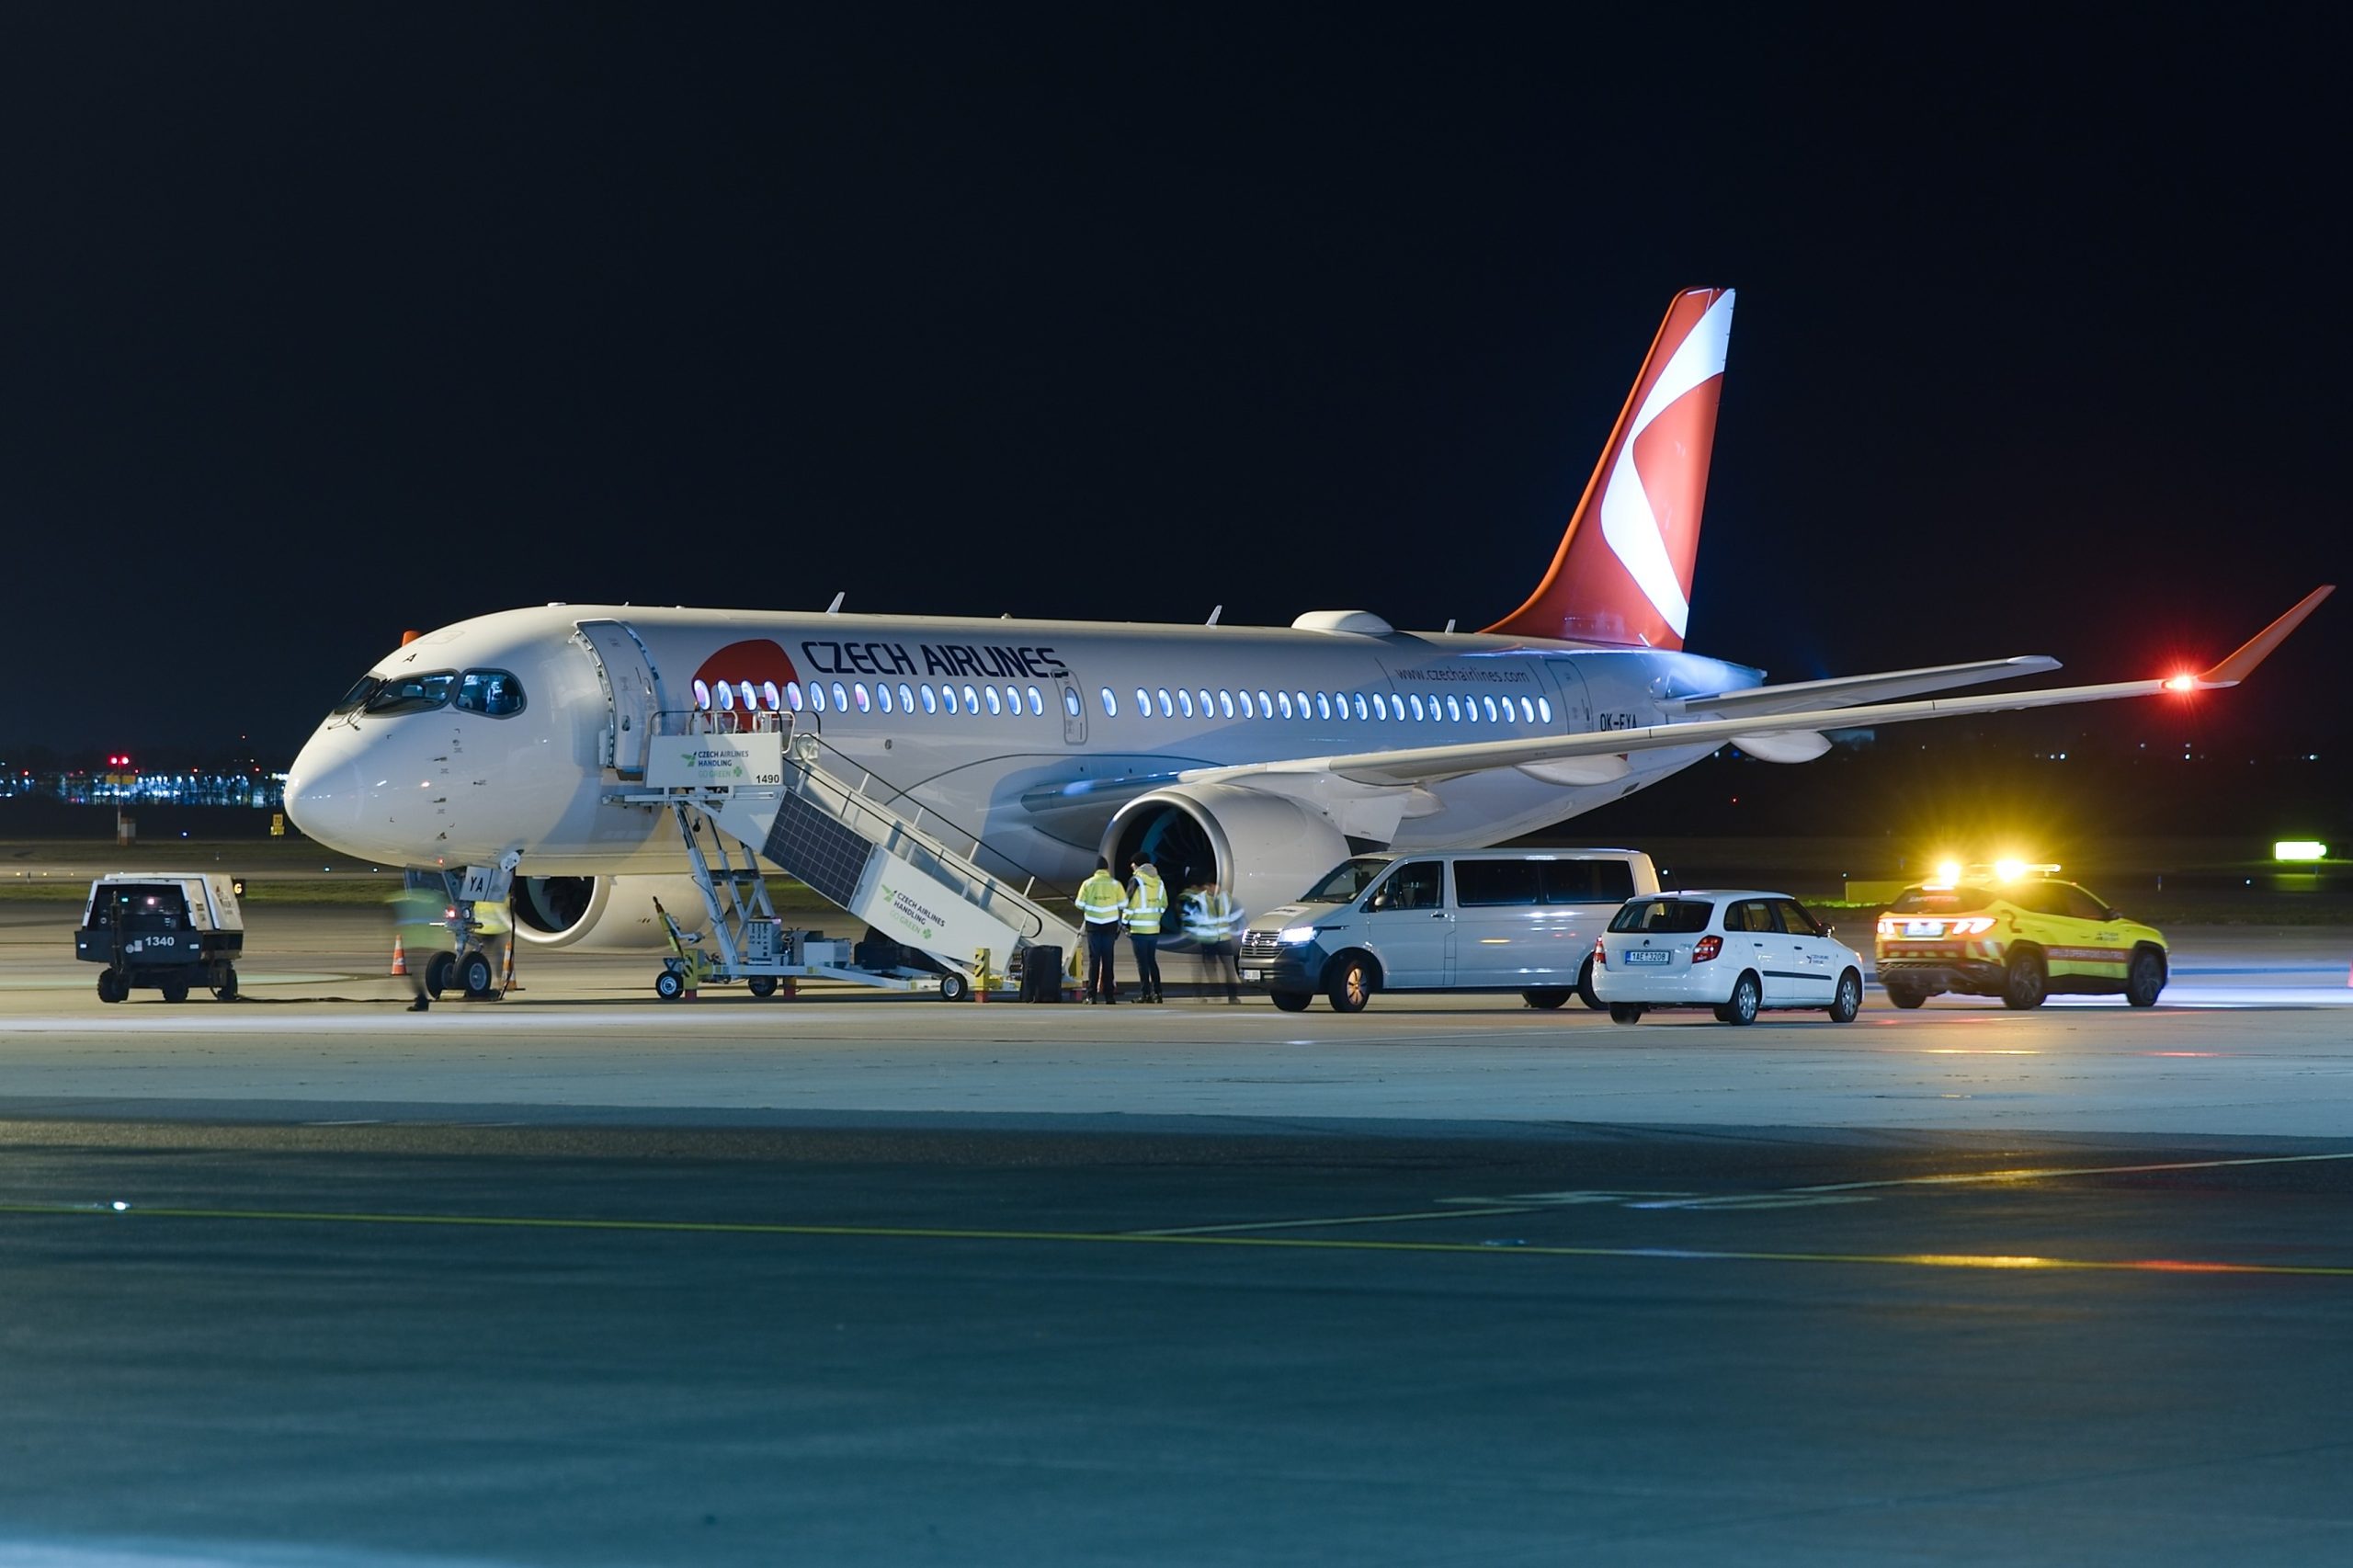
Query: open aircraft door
{"type": "Point", "coordinates": [632, 689]}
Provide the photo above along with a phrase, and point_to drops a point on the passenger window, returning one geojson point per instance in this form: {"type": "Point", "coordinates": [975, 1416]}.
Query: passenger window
{"type": "Point", "coordinates": [947, 701]}
{"type": "Point", "coordinates": [1544, 708]}
{"type": "Point", "coordinates": [841, 698]}
{"type": "Point", "coordinates": [1749, 914]}
{"type": "Point", "coordinates": [1012, 700]}
{"type": "Point", "coordinates": [1143, 703]}
{"type": "Point", "coordinates": [792, 695]}
{"type": "Point", "coordinates": [1207, 706]}
{"type": "Point", "coordinates": [1418, 884]}
{"type": "Point", "coordinates": [1358, 700]}
{"type": "Point", "coordinates": [1490, 884]}
{"type": "Point", "coordinates": [1110, 704]}
{"type": "Point", "coordinates": [1225, 701]}
{"type": "Point", "coordinates": [930, 701]}
{"type": "Point", "coordinates": [1587, 882]}
{"type": "Point", "coordinates": [1286, 704]}
{"type": "Point", "coordinates": [494, 693]}
{"type": "Point", "coordinates": [1322, 705]}
{"type": "Point", "coordinates": [816, 696]}
{"type": "Point", "coordinates": [1794, 919]}
{"type": "Point", "coordinates": [1038, 702]}
{"type": "Point", "coordinates": [1453, 708]}
{"type": "Point", "coordinates": [1265, 704]}
{"type": "Point", "coordinates": [1167, 704]}
{"type": "Point", "coordinates": [907, 698]}
{"type": "Point", "coordinates": [995, 705]}
{"type": "Point", "coordinates": [2079, 903]}
{"type": "Point", "coordinates": [1185, 701]}
{"type": "Point", "coordinates": [1249, 709]}
{"type": "Point", "coordinates": [865, 703]}
{"type": "Point", "coordinates": [971, 702]}
{"type": "Point", "coordinates": [882, 695]}
{"type": "Point", "coordinates": [1379, 706]}
{"type": "Point", "coordinates": [1416, 701]}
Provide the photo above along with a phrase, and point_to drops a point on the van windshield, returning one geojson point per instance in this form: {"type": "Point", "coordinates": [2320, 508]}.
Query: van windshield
{"type": "Point", "coordinates": [1345, 885]}
{"type": "Point", "coordinates": [1670, 916]}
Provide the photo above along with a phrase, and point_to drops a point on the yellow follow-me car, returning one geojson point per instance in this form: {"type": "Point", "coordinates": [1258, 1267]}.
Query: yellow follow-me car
{"type": "Point", "coordinates": [2016, 932]}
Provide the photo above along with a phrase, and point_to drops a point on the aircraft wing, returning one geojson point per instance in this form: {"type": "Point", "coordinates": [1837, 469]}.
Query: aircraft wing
{"type": "Point", "coordinates": [1849, 690]}
{"type": "Point", "coordinates": [1787, 736]}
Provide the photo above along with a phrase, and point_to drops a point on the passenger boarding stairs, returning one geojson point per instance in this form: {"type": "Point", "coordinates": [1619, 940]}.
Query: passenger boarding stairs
{"type": "Point", "coordinates": [805, 808]}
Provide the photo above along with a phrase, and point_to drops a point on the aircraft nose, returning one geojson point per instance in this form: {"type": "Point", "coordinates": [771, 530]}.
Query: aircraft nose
{"type": "Point", "coordinates": [326, 793]}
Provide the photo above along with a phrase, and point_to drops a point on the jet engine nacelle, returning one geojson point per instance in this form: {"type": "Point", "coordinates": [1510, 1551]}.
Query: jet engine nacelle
{"type": "Point", "coordinates": [1265, 849]}
{"type": "Point", "coordinates": [604, 915]}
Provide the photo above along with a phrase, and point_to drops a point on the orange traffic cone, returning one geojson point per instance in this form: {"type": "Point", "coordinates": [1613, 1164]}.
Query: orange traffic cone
{"type": "Point", "coordinates": [400, 958]}
{"type": "Point", "coordinates": [506, 981]}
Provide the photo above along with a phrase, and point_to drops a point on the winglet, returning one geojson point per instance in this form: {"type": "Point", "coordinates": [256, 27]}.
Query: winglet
{"type": "Point", "coordinates": [2241, 664]}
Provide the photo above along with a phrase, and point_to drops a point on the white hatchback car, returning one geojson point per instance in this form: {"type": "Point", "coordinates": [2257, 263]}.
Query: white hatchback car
{"type": "Point", "coordinates": [1738, 952]}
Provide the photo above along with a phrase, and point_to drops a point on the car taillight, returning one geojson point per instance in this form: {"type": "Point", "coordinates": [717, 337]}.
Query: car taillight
{"type": "Point", "coordinates": [1706, 948]}
{"type": "Point", "coordinates": [1600, 953]}
{"type": "Point", "coordinates": [1975, 926]}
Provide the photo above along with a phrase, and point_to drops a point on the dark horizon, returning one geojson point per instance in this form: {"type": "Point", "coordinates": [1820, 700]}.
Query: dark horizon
{"type": "Point", "coordinates": [336, 323]}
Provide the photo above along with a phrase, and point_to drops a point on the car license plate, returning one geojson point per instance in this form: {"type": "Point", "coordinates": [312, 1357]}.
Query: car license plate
{"type": "Point", "coordinates": [1924, 928]}
{"type": "Point", "coordinates": [1254, 974]}
{"type": "Point", "coordinates": [1649, 955]}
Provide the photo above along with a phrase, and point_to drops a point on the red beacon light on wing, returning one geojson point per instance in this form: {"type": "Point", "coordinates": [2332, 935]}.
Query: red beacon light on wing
{"type": "Point", "coordinates": [2182, 682]}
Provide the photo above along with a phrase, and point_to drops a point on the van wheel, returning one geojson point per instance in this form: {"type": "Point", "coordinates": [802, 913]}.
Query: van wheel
{"type": "Point", "coordinates": [1351, 984]}
{"type": "Point", "coordinates": [2028, 982]}
{"type": "Point", "coordinates": [224, 983]}
{"type": "Point", "coordinates": [1625, 1012]}
{"type": "Point", "coordinates": [1848, 1000]}
{"type": "Point", "coordinates": [1747, 996]}
{"type": "Point", "coordinates": [1546, 998]}
{"type": "Point", "coordinates": [1291, 1001]}
{"type": "Point", "coordinates": [2145, 979]}
{"type": "Point", "coordinates": [175, 989]}
{"type": "Point", "coordinates": [1585, 993]}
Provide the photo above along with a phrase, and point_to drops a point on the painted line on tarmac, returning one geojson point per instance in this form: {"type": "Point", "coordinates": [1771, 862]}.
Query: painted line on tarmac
{"type": "Point", "coordinates": [2055, 1173]}
{"type": "Point", "coordinates": [1131, 1238]}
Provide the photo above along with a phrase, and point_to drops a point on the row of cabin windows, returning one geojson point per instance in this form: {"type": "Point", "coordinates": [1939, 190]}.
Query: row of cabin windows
{"type": "Point", "coordinates": [1378, 707]}
{"type": "Point", "coordinates": [1200, 702]}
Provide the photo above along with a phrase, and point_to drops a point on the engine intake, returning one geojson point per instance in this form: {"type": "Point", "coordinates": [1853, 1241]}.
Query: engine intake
{"type": "Point", "coordinates": [1264, 849]}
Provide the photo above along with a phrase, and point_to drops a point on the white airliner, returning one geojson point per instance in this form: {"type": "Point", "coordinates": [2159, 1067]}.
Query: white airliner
{"type": "Point", "coordinates": [1265, 755]}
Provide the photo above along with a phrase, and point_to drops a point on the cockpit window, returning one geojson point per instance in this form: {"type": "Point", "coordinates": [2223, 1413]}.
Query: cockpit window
{"type": "Point", "coordinates": [358, 694]}
{"type": "Point", "coordinates": [493, 692]}
{"type": "Point", "coordinates": [412, 694]}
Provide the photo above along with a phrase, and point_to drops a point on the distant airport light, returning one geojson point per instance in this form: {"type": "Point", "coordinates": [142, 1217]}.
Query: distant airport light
{"type": "Point", "coordinates": [2300, 850]}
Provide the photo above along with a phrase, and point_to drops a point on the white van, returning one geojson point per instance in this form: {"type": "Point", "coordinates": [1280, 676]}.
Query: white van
{"type": "Point", "coordinates": [1520, 920]}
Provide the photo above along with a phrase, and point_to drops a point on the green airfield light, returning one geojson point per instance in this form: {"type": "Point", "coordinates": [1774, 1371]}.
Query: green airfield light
{"type": "Point", "coordinates": [2300, 850]}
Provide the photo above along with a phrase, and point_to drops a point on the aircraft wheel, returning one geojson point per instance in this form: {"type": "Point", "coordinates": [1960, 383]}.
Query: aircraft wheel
{"type": "Point", "coordinates": [954, 987]}
{"type": "Point", "coordinates": [476, 976]}
{"type": "Point", "coordinates": [1291, 1001]}
{"type": "Point", "coordinates": [1848, 1000]}
{"type": "Point", "coordinates": [437, 973]}
{"type": "Point", "coordinates": [669, 985]}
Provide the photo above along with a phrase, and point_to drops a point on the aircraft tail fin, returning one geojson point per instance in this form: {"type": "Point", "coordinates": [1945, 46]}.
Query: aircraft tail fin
{"type": "Point", "coordinates": [1622, 574]}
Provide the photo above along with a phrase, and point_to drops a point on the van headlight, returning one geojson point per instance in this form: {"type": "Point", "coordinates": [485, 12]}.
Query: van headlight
{"type": "Point", "coordinates": [1291, 936]}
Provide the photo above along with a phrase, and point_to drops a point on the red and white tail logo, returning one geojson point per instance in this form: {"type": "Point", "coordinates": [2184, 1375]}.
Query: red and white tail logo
{"type": "Point", "coordinates": [1623, 572]}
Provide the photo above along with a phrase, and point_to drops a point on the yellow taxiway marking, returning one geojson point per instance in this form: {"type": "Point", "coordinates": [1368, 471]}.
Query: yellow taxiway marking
{"type": "Point", "coordinates": [1132, 1238]}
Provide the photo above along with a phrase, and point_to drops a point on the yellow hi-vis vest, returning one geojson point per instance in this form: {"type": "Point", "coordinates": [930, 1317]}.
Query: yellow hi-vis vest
{"type": "Point", "coordinates": [1147, 900]}
{"type": "Point", "coordinates": [1209, 916]}
{"type": "Point", "coordinates": [1101, 899]}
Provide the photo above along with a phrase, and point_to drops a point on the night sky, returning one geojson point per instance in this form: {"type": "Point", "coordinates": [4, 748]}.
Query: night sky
{"type": "Point", "coordinates": [328, 321]}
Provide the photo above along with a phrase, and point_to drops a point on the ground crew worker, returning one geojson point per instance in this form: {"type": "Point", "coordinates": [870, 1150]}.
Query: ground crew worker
{"type": "Point", "coordinates": [1147, 901]}
{"type": "Point", "coordinates": [417, 914]}
{"type": "Point", "coordinates": [1100, 904]}
{"type": "Point", "coordinates": [1212, 919]}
